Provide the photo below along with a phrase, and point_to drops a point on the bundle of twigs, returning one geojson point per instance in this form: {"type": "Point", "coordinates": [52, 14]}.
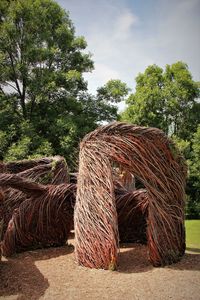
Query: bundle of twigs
{"type": "Point", "coordinates": [154, 160]}
{"type": "Point", "coordinates": [48, 170]}
{"type": "Point", "coordinates": [43, 219]}
{"type": "Point", "coordinates": [53, 168]}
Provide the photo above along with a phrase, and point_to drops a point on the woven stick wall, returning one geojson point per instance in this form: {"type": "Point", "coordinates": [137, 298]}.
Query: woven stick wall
{"type": "Point", "coordinates": [1, 215]}
{"type": "Point", "coordinates": [132, 215]}
{"type": "Point", "coordinates": [47, 170]}
{"type": "Point", "coordinates": [25, 202]}
{"type": "Point", "coordinates": [153, 159]}
{"type": "Point", "coordinates": [43, 219]}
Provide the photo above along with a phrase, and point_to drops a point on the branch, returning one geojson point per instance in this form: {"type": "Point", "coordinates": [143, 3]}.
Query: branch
{"type": "Point", "coordinates": [18, 88]}
{"type": "Point", "coordinates": [15, 80]}
{"type": "Point", "coordinates": [2, 91]}
{"type": "Point", "coordinates": [32, 106]}
{"type": "Point", "coordinates": [12, 86]}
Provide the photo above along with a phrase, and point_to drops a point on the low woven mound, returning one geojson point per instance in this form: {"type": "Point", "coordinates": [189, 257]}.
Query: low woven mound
{"type": "Point", "coordinates": [153, 160]}
{"type": "Point", "coordinates": [47, 170]}
{"type": "Point", "coordinates": [43, 219]}
{"type": "Point", "coordinates": [55, 167]}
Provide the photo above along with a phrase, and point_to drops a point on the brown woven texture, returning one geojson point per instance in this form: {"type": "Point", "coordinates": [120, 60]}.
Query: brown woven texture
{"type": "Point", "coordinates": [38, 168]}
{"type": "Point", "coordinates": [43, 219]}
{"type": "Point", "coordinates": [35, 215]}
{"type": "Point", "coordinates": [132, 215]}
{"type": "Point", "coordinates": [154, 160]}
{"type": "Point", "coordinates": [1, 215]}
{"type": "Point", "coordinates": [47, 170]}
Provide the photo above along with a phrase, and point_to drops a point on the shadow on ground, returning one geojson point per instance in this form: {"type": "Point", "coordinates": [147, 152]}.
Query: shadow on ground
{"type": "Point", "coordinates": [133, 259]}
{"type": "Point", "coordinates": [189, 262]}
{"type": "Point", "coordinates": [19, 275]}
{"type": "Point", "coordinates": [195, 250]}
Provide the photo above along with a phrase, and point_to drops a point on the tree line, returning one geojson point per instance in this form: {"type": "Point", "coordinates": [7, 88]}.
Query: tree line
{"type": "Point", "coordinates": [169, 99]}
{"type": "Point", "coordinates": [45, 106]}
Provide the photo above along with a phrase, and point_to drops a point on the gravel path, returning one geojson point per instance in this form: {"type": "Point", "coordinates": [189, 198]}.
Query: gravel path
{"type": "Point", "coordinates": [52, 274]}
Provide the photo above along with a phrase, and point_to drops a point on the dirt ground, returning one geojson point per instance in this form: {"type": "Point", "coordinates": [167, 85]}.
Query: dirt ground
{"type": "Point", "coordinates": [52, 274]}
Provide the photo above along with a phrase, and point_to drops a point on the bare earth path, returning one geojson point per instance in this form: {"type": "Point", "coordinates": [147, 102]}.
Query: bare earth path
{"type": "Point", "coordinates": [52, 274]}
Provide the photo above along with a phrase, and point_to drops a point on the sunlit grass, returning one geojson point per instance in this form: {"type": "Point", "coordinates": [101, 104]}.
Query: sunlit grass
{"type": "Point", "coordinates": [193, 235]}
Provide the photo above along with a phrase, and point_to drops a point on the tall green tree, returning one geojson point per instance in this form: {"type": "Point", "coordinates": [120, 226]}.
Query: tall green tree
{"type": "Point", "coordinates": [169, 99]}
{"type": "Point", "coordinates": [166, 99]}
{"type": "Point", "coordinates": [114, 91]}
{"type": "Point", "coordinates": [41, 76]}
{"type": "Point", "coordinates": [40, 55]}
{"type": "Point", "coordinates": [44, 104]}
{"type": "Point", "coordinates": [193, 186]}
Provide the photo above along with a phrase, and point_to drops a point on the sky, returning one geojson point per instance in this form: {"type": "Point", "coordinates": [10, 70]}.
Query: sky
{"type": "Point", "coordinates": [125, 36]}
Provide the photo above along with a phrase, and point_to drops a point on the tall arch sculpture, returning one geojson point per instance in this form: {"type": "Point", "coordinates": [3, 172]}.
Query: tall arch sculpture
{"type": "Point", "coordinates": [154, 160]}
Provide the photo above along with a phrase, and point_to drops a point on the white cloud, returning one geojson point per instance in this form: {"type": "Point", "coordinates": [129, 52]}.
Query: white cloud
{"type": "Point", "coordinates": [125, 40]}
{"type": "Point", "coordinates": [178, 34]}
{"type": "Point", "coordinates": [124, 25]}
{"type": "Point", "coordinates": [102, 74]}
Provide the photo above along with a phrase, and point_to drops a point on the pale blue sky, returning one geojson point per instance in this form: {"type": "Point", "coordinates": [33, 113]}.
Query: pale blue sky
{"type": "Point", "coordinates": [127, 36]}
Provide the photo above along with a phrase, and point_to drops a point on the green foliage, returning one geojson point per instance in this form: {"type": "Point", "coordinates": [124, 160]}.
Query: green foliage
{"type": "Point", "coordinates": [193, 186]}
{"type": "Point", "coordinates": [145, 106]}
{"type": "Point", "coordinates": [183, 145]}
{"type": "Point", "coordinates": [44, 105]}
{"type": "Point", "coordinates": [114, 91]}
{"type": "Point", "coordinates": [3, 143]}
{"type": "Point", "coordinates": [166, 99]}
{"type": "Point", "coordinates": [18, 150]}
{"type": "Point", "coordinates": [195, 166]}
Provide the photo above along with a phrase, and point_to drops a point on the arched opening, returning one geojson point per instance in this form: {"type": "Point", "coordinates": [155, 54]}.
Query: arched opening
{"type": "Point", "coordinates": [152, 158]}
{"type": "Point", "coordinates": [131, 204]}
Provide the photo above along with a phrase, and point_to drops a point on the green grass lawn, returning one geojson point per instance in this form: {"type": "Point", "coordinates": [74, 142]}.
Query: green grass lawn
{"type": "Point", "coordinates": [193, 235]}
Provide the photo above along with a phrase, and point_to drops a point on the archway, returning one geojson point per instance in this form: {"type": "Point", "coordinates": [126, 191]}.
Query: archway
{"type": "Point", "coordinates": [152, 158]}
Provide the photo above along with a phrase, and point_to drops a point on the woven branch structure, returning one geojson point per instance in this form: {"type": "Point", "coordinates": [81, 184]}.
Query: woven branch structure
{"type": "Point", "coordinates": [1, 215]}
{"type": "Point", "coordinates": [48, 170]}
{"type": "Point", "coordinates": [33, 214]}
{"type": "Point", "coordinates": [152, 159]}
{"type": "Point", "coordinates": [132, 212]}
{"type": "Point", "coordinates": [37, 215]}
{"type": "Point", "coordinates": [43, 219]}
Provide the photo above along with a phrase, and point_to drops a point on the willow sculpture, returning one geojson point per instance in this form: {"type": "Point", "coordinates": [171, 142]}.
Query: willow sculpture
{"type": "Point", "coordinates": [43, 219]}
{"type": "Point", "coordinates": [155, 162]}
{"type": "Point", "coordinates": [1, 214]}
{"type": "Point", "coordinates": [36, 204]}
{"type": "Point", "coordinates": [47, 170]}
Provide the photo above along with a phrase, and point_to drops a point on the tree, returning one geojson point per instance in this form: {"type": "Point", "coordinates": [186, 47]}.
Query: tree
{"type": "Point", "coordinates": [41, 75]}
{"type": "Point", "coordinates": [113, 91]}
{"type": "Point", "coordinates": [195, 169]}
{"type": "Point", "coordinates": [44, 105]}
{"type": "Point", "coordinates": [145, 106]}
{"type": "Point", "coordinates": [193, 186]}
{"type": "Point", "coordinates": [166, 99]}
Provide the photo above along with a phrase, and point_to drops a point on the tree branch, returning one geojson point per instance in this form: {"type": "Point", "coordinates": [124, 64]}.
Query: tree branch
{"type": "Point", "coordinates": [21, 95]}
{"type": "Point", "coordinates": [2, 91]}
{"type": "Point", "coordinates": [12, 86]}
{"type": "Point", "coordinates": [32, 106]}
